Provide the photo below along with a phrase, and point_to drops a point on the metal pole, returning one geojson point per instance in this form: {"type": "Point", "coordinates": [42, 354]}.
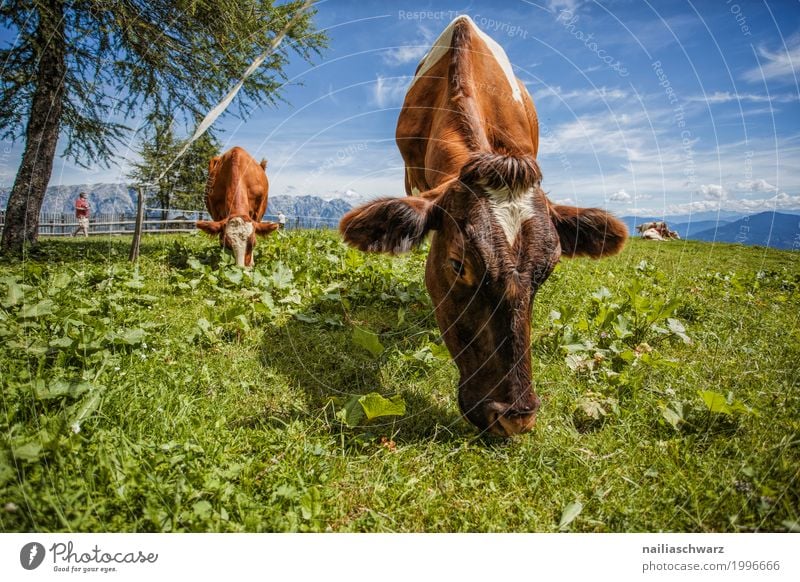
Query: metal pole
{"type": "Point", "coordinates": [137, 232]}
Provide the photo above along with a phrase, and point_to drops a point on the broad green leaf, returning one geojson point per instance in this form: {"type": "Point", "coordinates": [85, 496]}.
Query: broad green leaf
{"type": "Point", "coordinates": [202, 509]}
{"type": "Point", "coordinates": [306, 317]}
{"type": "Point", "coordinates": [234, 275]}
{"type": "Point", "coordinates": [233, 313]}
{"type": "Point", "coordinates": [266, 299]}
{"type": "Point", "coordinates": [282, 276]}
{"type": "Point", "coordinates": [131, 337]}
{"type": "Point", "coordinates": [440, 352]}
{"type": "Point", "coordinates": [61, 280]}
{"type": "Point", "coordinates": [310, 504]}
{"type": "Point", "coordinates": [60, 388]}
{"type": "Point", "coordinates": [30, 451]}
{"type": "Point", "coordinates": [678, 329]}
{"type": "Point", "coordinates": [622, 326]}
{"type": "Point", "coordinates": [375, 405]}
{"type": "Point", "coordinates": [367, 340]}
{"type": "Point", "coordinates": [673, 416]}
{"type": "Point", "coordinates": [14, 294]}
{"type": "Point", "coordinates": [63, 342]}
{"type": "Point", "coordinates": [715, 402]}
{"type": "Point", "coordinates": [601, 294]}
{"type": "Point", "coordinates": [44, 307]}
{"type": "Point", "coordinates": [81, 410]}
{"type": "Point", "coordinates": [352, 413]}
{"type": "Point", "coordinates": [570, 512]}
{"type": "Point", "coordinates": [592, 408]}
{"type": "Point", "coordinates": [6, 472]}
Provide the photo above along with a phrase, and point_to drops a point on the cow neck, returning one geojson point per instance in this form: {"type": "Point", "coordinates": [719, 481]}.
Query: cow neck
{"type": "Point", "coordinates": [240, 202]}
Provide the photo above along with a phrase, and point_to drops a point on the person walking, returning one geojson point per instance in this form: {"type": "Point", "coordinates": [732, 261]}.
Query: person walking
{"type": "Point", "coordinates": [82, 214]}
{"type": "Point", "coordinates": [281, 220]}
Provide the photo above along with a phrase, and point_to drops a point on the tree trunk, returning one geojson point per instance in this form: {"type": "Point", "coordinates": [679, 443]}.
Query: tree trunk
{"type": "Point", "coordinates": [41, 136]}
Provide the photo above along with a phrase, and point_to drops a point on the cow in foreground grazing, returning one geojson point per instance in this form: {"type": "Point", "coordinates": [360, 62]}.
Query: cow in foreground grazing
{"type": "Point", "coordinates": [236, 198]}
{"type": "Point", "coordinates": [469, 135]}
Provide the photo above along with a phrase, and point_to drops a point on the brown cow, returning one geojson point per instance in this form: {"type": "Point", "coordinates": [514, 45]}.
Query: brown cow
{"type": "Point", "coordinates": [469, 135]}
{"type": "Point", "coordinates": [236, 197]}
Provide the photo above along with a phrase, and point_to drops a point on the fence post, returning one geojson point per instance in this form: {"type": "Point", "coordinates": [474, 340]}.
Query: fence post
{"type": "Point", "coordinates": [137, 231]}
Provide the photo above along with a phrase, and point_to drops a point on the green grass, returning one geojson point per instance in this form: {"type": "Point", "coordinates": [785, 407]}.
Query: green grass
{"type": "Point", "coordinates": [185, 395]}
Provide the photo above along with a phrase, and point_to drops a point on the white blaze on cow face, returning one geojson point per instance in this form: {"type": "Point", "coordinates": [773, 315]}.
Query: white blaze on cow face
{"type": "Point", "coordinates": [511, 209]}
{"type": "Point", "coordinates": [442, 45]}
{"type": "Point", "coordinates": [238, 232]}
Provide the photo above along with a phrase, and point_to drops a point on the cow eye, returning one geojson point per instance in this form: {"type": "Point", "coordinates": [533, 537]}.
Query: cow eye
{"type": "Point", "coordinates": [457, 266]}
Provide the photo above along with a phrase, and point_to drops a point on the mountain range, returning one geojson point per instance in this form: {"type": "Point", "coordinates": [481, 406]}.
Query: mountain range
{"type": "Point", "coordinates": [121, 199]}
{"type": "Point", "coordinates": [774, 229]}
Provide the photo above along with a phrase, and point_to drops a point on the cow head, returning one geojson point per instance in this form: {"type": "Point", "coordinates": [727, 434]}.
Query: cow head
{"type": "Point", "coordinates": [238, 233]}
{"type": "Point", "coordinates": [497, 239]}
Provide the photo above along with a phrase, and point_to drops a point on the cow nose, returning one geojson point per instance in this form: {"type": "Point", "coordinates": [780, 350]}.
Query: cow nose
{"type": "Point", "coordinates": [517, 419]}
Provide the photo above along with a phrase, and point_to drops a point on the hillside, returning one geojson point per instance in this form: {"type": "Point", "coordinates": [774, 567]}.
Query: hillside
{"type": "Point", "coordinates": [184, 394]}
{"type": "Point", "coordinates": [307, 206]}
{"type": "Point", "coordinates": [104, 198]}
{"type": "Point", "coordinates": [770, 229]}
{"type": "Point", "coordinates": [119, 198]}
{"type": "Point", "coordinates": [683, 220]}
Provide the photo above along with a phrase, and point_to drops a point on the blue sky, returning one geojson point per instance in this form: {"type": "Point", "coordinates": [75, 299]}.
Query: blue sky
{"type": "Point", "coordinates": [645, 106]}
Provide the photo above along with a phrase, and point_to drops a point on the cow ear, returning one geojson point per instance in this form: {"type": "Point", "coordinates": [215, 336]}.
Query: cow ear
{"type": "Point", "coordinates": [263, 164]}
{"type": "Point", "coordinates": [588, 231]}
{"type": "Point", "coordinates": [390, 225]}
{"type": "Point", "coordinates": [209, 226]}
{"type": "Point", "coordinates": [264, 228]}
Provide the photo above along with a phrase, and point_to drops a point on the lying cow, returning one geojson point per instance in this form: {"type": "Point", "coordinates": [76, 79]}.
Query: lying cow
{"type": "Point", "coordinates": [236, 196]}
{"type": "Point", "coordinates": [652, 234]}
{"type": "Point", "coordinates": [660, 226]}
{"type": "Point", "coordinates": [469, 135]}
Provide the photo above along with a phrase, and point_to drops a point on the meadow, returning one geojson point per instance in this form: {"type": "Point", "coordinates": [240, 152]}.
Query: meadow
{"type": "Point", "coordinates": [314, 393]}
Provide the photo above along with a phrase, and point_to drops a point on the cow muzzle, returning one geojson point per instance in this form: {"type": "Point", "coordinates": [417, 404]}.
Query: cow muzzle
{"type": "Point", "coordinates": [512, 423]}
{"type": "Point", "coordinates": [502, 419]}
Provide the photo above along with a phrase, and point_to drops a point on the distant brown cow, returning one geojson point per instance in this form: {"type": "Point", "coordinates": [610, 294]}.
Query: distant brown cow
{"type": "Point", "coordinates": [469, 135]}
{"type": "Point", "coordinates": [236, 197]}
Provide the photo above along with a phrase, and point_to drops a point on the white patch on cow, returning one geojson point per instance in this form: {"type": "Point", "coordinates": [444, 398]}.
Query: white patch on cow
{"type": "Point", "coordinates": [442, 45]}
{"type": "Point", "coordinates": [238, 231]}
{"type": "Point", "coordinates": [439, 48]}
{"type": "Point", "coordinates": [652, 234]}
{"type": "Point", "coordinates": [511, 209]}
{"type": "Point", "coordinates": [414, 189]}
{"type": "Point", "coordinates": [502, 59]}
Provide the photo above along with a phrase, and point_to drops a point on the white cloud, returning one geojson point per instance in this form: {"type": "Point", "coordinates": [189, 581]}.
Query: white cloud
{"type": "Point", "coordinates": [778, 64]}
{"type": "Point", "coordinates": [405, 54]}
{"type": "Point", "coordinates": [579, 96]}
{"type": "Point", "coordinates": [620, 196]}
{"type": "Point", "coordinates": [782, 201]}
{"type": "Point", "coordinates": [412, 52]}
{"type": "Point", "coordinates": [759, 185]}
{"type": "Point", "coordinates": [558, 5]}
{"type": "Point", "coordinates": [627, 135]}
{"type": "Point", "coordinates": [389, 91]}
{"type": "Point", "coordinates": [727, 97]}
{"type": "Point", "coordinates": [713, 192]}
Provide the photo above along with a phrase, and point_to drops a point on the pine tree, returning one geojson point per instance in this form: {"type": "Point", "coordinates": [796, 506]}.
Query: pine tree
{"type": "Point", "coordinates": [183, 186]}
{"type": "Point", "coordinates": [79, 69]}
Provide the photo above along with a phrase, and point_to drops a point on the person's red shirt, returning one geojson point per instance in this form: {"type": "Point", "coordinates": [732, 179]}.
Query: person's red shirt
{"type": "Point", "coordinates": [81, 207]}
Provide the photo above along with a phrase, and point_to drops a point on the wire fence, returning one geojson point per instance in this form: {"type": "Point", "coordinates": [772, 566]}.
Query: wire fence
{"type": "Point", "coordinates": [157, 221]}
